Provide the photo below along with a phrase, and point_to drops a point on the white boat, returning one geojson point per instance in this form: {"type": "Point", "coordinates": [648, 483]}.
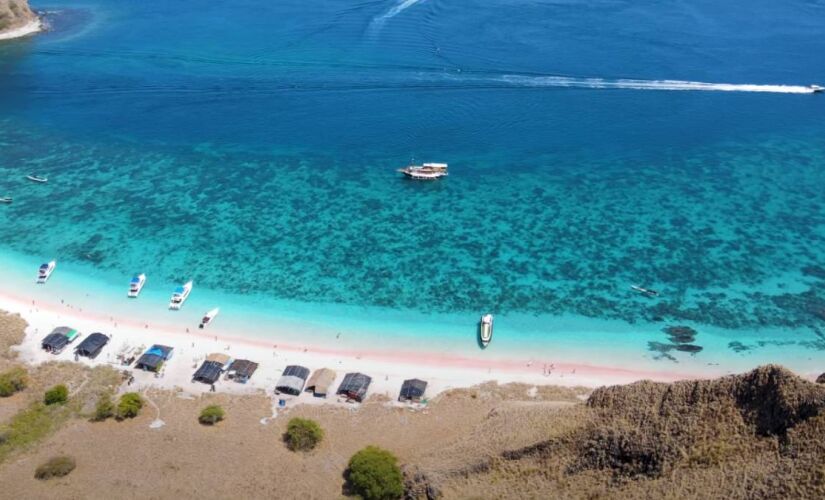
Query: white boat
{"type": "Point", "coordinates": [45, 271]}
{"type": "Point", "coordinates": [644, 291]}
{"type": "Point", "coordinates": [37, 178]}
{"type": "Point", "coordinates": [426, 172]}
{"type": "Point", "coordinates": [180, 295]}
{"type": "Point", "coordinates": [208, 317]}
{"type": "Point", "coordinates": [136, 285]}
{"type": "Point", "coordinates": [816, 89]}
{"type": "Point", "coordinates": [485, 330]}
{"type": "Point", "coordinates": [5, 199]}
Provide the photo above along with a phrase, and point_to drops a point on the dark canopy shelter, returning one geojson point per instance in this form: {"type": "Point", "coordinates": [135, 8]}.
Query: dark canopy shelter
{"type": "Point", "coordinates": [292, 380]}
{"type": "Point", "coordinates": [55, 342]}
{"type": "Point", "coordinates": [92, 345]}
{"type": "Point", "coordinates": [354, 386]}
{"type": "Point", "coordinates": [153, 359]}
{"type": "Point", "coordinates": [412, 390]}
{"type": "Point", "coordinates": [241, 370]}
{"type": "Point", "coordinates": [208, 373]}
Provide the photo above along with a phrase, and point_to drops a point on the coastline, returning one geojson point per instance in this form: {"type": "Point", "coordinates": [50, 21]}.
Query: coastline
{"type": "Point", "coordinates": [30, 28]}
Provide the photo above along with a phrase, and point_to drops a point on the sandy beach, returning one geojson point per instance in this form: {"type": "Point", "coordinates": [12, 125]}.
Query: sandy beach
{"type": "Point", "coordinates": [25, 30]}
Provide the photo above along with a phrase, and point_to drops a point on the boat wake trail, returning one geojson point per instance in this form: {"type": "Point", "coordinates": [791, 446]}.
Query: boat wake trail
{"type": "Point", "coordinates": [398, 8]}
{"type": "Point", "coordinates": [600, 83]}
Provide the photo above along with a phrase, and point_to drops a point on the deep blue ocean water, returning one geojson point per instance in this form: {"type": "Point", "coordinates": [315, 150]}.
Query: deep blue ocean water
{"type": "Point", "coordinates": [252, 146]}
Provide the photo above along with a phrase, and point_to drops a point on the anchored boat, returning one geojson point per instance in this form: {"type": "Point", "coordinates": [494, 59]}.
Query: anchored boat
{"type": "Point", "coordinates": [36, 178]}
{"type": "Point", "coordinates": [136, 285]}
{"type": "Point", "coordinates": [208, 317]}
{"type": "Point", "coordinates": [485, 330]}
{"type": "Point", "coordinates": [425, 172]}
{"type": "Point", "coordinates": [5, 199]}
{"type": "Point", "coordinates": [816, 89]}
{"type": "Point", "coordinates": [45, 271]}
{"type": "Point", "coordinates": [180, 295]}
{"type": "Point", "coordinates": [647, 292]}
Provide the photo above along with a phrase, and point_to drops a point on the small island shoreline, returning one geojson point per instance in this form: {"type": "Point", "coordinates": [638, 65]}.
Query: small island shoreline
{"type": "Point", "coordinates": [34, 26]}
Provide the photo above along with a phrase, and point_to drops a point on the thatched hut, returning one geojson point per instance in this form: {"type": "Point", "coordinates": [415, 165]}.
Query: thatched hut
{"type": "Point", "coordinates": [241, 370]}
{"type": "Point", "coordinates": [320, 383]}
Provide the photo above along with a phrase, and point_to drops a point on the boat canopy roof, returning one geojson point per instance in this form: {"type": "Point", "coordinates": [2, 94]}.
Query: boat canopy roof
{"type": "Point", "coordinates": [44, 266]}
{"type": "Point", "coordinates": [136, 279]}
{"type": "Point", "coordinates": [179, 289]}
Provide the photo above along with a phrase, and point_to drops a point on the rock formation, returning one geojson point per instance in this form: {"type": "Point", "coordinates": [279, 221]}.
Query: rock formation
{"type": "Point", "coordinates": [14, 14]}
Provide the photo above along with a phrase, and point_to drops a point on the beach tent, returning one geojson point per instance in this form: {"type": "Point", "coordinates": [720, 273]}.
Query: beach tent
{"type": "Point", "coordinates": [354, 386]}
{"type": "Point", "coordinates": [241, 370]}
{"type": "Point", "coordinates": [54, 343]}
{"type": "Point", "coordinates": [92, 345]}
{"type": "Point", "coordinates": [153, 358]}
{"type": "Point", "coordinates": [320, 382]}
{"type": "Point", "coordinates": [292, 380]}
{"type": "Point", "coordinates": [412, 390]}
{"type": "Point", "coordinates": [208, 373]}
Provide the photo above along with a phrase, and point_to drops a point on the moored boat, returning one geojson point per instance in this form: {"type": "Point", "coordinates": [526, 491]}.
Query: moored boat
{"type": "Point", "coordinates": [136, 285]}
{"type": "Point", "coordinates": [45, 271]}
{"type": "Point", "coordinates": [37, 178]}
{"type": "Point", "coordinates": [485, 330]}
{"type": "Point", "coordinates": [180, 295]}
{"type": "Point", "coordinates": [6, 199]}
{"type": "Point", "coordinates": [427, 171]}
{"type": "Point", "coordinates": [817, 89]}
{"type": "Point", "coordinates": [208, 317]}
{"type": "Point", "coordinates": [644, 291]}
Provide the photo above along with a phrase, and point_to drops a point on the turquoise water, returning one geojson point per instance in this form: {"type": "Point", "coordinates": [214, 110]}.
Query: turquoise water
{"type": "Point", "coordinates": [252, 147]}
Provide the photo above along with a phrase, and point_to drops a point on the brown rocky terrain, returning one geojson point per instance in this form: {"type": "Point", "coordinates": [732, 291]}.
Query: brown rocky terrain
{"type": "Point", "coordinates": [14, 13]}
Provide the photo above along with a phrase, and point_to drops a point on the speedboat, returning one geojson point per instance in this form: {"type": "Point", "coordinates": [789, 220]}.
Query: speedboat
{"type": "Point", "coordinates": [5, 199]}
{"type": "Point", "coordinates": [816, 89]}
{"type": "Point", "coordinates": [136, 285]}
{"type": "Point", "coordinates": [208, 317]}
{"type": "Point", "coordinates": [485, 330]}
{"type": "Point", "coordinates": [425, 172]}
{"type": "Point", "coordinates": [180, 295]}
{"type": "Point", "coordinates": [37, 178]}
{"type": "Point", "coordinates": [644, 291]}
{"type": "Point", "coordinates": [45, 271]}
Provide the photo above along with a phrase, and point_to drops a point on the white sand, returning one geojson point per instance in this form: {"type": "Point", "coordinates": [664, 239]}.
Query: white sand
{"type": "Point", "coordinates": [27, 29]}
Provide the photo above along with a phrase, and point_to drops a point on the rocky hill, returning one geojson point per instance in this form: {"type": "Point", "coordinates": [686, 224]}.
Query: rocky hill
{"type": "Point", "coordinates": [14, 13]}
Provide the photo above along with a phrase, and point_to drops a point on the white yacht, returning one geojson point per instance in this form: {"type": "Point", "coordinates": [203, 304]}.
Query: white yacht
{"type": "Point", "coordinates": [180, 295]}
{"type": "Point", "coordinates": [136, 285]}
{"type": "Point", "coordinates": [425, 172]}
{"type": "Point", "coordinates": [485, 330]}
{"type": "Point", "coordinates": [816, 89]}
{"type": "Point", "coordinates": [208, 317]}
{"type": "Point", "coordinates": [45, 271]}
{"type": "Point", "coordinates": [37, 178]}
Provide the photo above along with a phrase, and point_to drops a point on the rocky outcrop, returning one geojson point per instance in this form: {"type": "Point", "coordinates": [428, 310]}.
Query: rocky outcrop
{"type": "Point", "coordinates": [14, 14]}
{"type": "Point", "coordinates": [821, 379]}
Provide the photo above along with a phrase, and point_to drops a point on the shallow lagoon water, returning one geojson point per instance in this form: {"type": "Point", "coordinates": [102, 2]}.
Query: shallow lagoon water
{"type": "Point", "coordinates": [253, 149]}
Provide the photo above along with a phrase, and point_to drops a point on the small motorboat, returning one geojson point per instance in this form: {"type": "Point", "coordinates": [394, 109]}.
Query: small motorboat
{"type": "Point", "coordinates": [136, 285]}
{"type": "Point", "coordinates": [817, 89]}
{"type": "Point", "coordinates": [644, 291]}
{"type": "Point", "coordinates": [6, 199]}
{"type": "Point", "coordinates": [208, 317]}
{"type": "Point", "coordinates": [425, 172]}
{"type": "Point", "coordinates": [45, 271]}
{"type": "Point", "coordinates": [37, 178]}
{"type": "Point", "coordinates": [485, 330]}
{"type": "Point", "coordinates": [180, 295]}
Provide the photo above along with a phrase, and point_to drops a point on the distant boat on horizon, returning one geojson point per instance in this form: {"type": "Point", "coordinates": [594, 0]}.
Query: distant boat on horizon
{"type": "Point", "coordinates": [36, 178]}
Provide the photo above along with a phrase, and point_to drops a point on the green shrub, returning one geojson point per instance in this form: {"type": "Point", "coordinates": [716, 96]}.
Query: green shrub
{"type": "Point", "coordinates": [211, 415]}
{"type": "Point", "coordinates": [55, 467]}
{"type": "Point", "coordinates": [104, 408]}
{"type": "Point", "coordinates": [129, 405]}
{"type": "Point", "coordinates": [374, 474]}
{"type": "Point", "coordinates": [303, 434]}
{"type": "Point", "coordinates": [14, 380]}
{"type": "Point", "coordinates": [58, 394]}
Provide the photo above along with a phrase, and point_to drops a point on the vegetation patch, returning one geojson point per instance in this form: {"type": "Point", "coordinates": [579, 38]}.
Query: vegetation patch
{"type": "Point", "coordinates": [13, 381]}
{"type": "Point", "coordinates": [374, 474]}
{"type": "Point", "coordinates": [30, 425]}
{"type": "Point", "coordinates": [104, 408]}
{"type": "Point", "coordinates": [303, 434]}
{"type": "Point", "coordinates": [211, 415]}
{"type": "Point", "coordinates": [55, 467]}
{"type": "Point", "coordinates": [58, 394]}
{"type": "Point", "coordinates": [129, 406]}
